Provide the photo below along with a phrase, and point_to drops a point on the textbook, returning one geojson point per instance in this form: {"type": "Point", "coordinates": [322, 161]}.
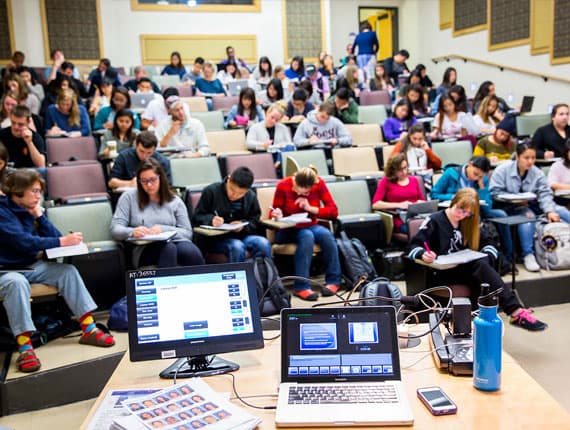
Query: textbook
{"type": "Point", "coordinates": [188, 405]}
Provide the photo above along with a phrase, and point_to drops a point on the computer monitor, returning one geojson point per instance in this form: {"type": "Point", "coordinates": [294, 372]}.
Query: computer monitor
{"type": "Point", "coordinates": [193, 313]}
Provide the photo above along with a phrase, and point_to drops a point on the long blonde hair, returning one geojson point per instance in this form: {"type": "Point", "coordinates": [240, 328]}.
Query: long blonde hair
{"type": "Point", "coordinates": [468, 199]}
{"type": "Point", "coordinates": [65, 95]}
{"type": "Point", "coordinates": [349, 75]}
{"type": "Point", "coordinates": [483, 107]}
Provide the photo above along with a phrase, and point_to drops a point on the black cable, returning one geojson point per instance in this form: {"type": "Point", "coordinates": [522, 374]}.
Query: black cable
{"type": "Point", "coordinates": [241, 399]}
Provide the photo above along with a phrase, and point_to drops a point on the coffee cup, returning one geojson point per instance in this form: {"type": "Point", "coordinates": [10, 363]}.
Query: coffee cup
{"type": "Point", "coordinates": [112, 145]}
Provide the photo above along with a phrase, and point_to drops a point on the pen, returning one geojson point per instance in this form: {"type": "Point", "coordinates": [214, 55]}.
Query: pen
{"type": "Point", "coordinates": [216, 213]}
{"type": "Point", "coordinates": [426, 246]}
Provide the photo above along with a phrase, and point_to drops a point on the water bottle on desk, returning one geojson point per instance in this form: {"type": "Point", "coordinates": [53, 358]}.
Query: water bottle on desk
{"type": "Point", "coordinates": [487, 342]}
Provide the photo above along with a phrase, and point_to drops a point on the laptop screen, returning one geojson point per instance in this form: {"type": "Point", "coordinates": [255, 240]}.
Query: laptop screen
{"type": "Point", "coordinates": [189, 311]}
{"type": "Point", "coordinates": [356, 343]}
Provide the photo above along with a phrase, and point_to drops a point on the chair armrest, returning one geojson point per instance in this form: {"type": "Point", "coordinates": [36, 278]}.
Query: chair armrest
{"type": "Point", "coordinates": [328, 223]}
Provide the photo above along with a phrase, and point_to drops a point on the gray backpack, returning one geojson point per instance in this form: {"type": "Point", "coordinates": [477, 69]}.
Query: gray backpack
{"type": "Point", "coordinates": [552, 245]}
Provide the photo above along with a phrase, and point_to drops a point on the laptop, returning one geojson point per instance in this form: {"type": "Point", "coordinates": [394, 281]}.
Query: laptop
{"type": "Point", "coordinates": [340, 367]}
{"type": "Point", "coordinates": [422, 208]}
{"type": "Point", "coordinates": [141, 100]}
{"type": "Point", "coordinates": [527, 103]}
{"type": "Point", "coordinates": [235, 87]}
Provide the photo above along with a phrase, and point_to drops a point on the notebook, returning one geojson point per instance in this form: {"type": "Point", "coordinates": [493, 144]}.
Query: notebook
{"type": "Point", "coordinates": [236, 86]}
{"type": "Point", "coordinates": [339, 354]}
{"type": "Point", "coordinates": [141, 100]}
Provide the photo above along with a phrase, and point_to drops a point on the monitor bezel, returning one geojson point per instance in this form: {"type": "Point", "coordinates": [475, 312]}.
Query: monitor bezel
{"type": "Point", "coordinates": [327, 310]}
{"type": "Point", "coordinates": [181, 348]}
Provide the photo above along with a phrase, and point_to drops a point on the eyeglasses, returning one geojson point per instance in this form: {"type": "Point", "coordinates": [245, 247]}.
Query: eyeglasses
{"type": "Point", "coordinates": [464, 212]}
{"type": "Point", "coordinates": [148, 181]}
{"type": "Point", "coordinates": [36, 191]}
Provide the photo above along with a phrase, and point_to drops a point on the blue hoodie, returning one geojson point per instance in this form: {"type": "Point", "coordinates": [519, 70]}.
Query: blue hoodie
{"type": "Point", "coordinates": [453, 179]}
{"type": "Point", "coordinates": [21, 236]}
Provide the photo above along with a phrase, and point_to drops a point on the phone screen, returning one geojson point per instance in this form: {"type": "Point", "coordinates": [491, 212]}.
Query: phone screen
{"type": "Point", "coordinates": [436, 398]}
{"type": "Point", "coordinates": [437, 401]}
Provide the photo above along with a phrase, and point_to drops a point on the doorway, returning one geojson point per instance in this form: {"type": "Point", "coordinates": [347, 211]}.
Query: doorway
{"type": "Point", "coordinates": [384, 21]}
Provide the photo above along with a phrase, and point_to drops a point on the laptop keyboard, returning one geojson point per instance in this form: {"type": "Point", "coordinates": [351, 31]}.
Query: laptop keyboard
{"type": "Point", "coordinates": [331, 394]}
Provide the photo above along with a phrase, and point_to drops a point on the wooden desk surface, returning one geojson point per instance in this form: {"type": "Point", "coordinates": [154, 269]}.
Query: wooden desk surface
{"type": "Point", "coordinates": [521, 402]}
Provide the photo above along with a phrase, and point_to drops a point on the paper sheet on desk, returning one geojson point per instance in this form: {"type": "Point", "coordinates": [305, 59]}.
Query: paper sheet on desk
{"type": "Point", "coordinates": [459, 257]}
{"type": "Point", "coordinates": [188, 402]}
{"type": "Point", "coordinates": [517, 196]}
{"type": "Point", "coordinates": [296, 218]}
{"type": "Point", "coordinates": [67, 251]}
{"type": "Point", "coordinates": [227, 227]}
{"type": "Point", "coordinates": [111, 407]}
{"type": "Point", "coordinates": [159, 237]}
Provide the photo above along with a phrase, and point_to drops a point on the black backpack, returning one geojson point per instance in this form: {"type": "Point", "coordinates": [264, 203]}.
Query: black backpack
{"type": "Point", "coordinates": [354, 259]}
{"type": "Point", "coordinates": [380, 287]}
{"type": "Point", "coordinates": [271, 293]}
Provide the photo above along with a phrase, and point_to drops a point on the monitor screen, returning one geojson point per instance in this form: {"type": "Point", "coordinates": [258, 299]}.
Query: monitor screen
{"type": "Point", "coordinates": [195, 311]}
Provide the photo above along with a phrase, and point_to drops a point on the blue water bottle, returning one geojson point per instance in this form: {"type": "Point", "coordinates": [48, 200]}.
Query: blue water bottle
{"type": "Point", "coordinates": [487, 342]}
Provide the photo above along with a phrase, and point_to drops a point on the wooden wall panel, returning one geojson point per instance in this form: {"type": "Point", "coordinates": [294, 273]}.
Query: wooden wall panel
{"type": "Point", "coordinates": [225, 6]}
{"type": "Point", "coordinates": [74, 27]}
{"type": "Point", "coordinates": [156, 48]}
{"type": "Point", "coordinates": [469, 16]}
{"type": "Point", "coordinates": [541, 23]}
{"type": "Point", "coordinates": [560, 48]}
{"type": "Point", "coordinates": [445, 14]}
{"type": "Point", "coordinates": [509, 23]}
{"type": "Point", "coordinates": [303, 28]}
{"type": "Point", "coordinates": [7, 33]}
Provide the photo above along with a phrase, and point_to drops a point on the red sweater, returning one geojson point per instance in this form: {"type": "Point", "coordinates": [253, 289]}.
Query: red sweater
{"type": "Point", "coordinates": [285, 197]}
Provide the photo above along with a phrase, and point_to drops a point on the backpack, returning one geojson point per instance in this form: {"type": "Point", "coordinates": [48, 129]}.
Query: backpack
{"type": "Point", "coordinates": [552, 245]}
{"type": "Point", "coordinates": [118, 316]}
{"type": "Point", "coordinates": [380, 287]}
{"type": "Point", "coordinates": [51, 321]}
{"type": "Point", "coordinates": [354, 259]}
{"type": "Point", "coordinates": [271, 293]}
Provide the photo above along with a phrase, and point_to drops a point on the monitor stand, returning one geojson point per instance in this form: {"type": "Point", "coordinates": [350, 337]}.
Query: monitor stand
{"type": "Point", "coordinates": [200, 365]}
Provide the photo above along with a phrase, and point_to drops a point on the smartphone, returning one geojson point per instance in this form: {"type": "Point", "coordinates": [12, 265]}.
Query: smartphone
{"type": "Point", "coordinates": [436, 401]}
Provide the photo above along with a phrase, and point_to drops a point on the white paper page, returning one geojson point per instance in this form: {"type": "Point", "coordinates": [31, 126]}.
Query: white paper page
{"type": "Point", "coordinates": [459, 257]}
{"type": "Point", "coordinates": [111, 407]}
{"type": "Point", "coordinates": [228, 227]}
{"type": "Point", "coordinates": [517, 196]}
{"type": "Point", "coordinates": [296, 218]}
{"type": "Point", "coordinates": [165, 235]}
{"type": "Point", "coordinates": [67, 251]}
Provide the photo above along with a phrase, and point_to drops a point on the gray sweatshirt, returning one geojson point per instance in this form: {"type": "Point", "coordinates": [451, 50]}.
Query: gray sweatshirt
{"type": "Point", "coordinates": [170, 216]}
{"type": "Point", "coordinates": [332, 129]}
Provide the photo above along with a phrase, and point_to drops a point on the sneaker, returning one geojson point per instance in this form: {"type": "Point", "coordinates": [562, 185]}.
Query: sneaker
{"type": "Point", "coordinates": [530, 263]}
{"type": "Point", "coordinates": [330, 290]}
{"type": "Point", "coordinates": [306, 294]}
{"type": "Point", "coordinates": [525, 320]}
